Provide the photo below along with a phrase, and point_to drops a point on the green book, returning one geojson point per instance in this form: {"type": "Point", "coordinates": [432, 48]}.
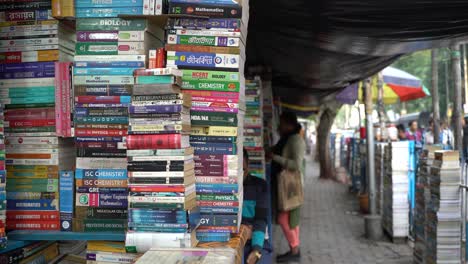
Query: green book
{"type": "Point", "coordinates": [222, 86]}
{"type": "Point", "coordinates": [188, 75]}
{"type": "Point", "coordinates": [90, 24]}
{"type": "Point", "coordinates": [213, 119]}
{"type": "Point", "coordinates": [30, 129]}
{"type": "Point", "coordinates": [28, 105]}
{"type": "Point", "coordinates": [155, 79]}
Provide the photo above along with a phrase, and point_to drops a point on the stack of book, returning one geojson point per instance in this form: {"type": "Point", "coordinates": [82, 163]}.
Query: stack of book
{"type": "Point", "coordinates": [444, 220]}
{"type": "Point", "coordinates": [107, 252]}
{"type": "Point", "coordinates": [30, 42]}
{"type": "Point", "coordinates": [112, 8]}
{"type": "Point", "coordinates": [37, 252]}
{"type": "Point", "coordinates": [189, 255]}
{"type": "Point", "coordinates": [395, 219]}
{"type": "Point", "coordinates": [103, 81]}
{"type": "Point", "coordinates": [422, 199]}
{"type": "Point", "coordinates": [3, 239]}
{"type": "Point", "coordinates": [253, 127]}
{"type": "Point", "coordinates": [162, 199]}
{"type": "Point", "coordinates": [379, 173]}
{"type": "Point", "coordinates": [211, 55]}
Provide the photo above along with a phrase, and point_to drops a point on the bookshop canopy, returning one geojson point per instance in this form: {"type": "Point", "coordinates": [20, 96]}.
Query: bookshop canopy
{"type": "Point", "coordinates": [316, 48]}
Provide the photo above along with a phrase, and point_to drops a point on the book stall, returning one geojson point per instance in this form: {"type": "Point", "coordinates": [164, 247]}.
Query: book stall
{"type": "Point", "coordinates": [124, 128]}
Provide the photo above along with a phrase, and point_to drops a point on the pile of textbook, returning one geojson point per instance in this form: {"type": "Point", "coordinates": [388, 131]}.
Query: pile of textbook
{"type": "Point", "coordinates": [30, 42]}
{"type": "Point", "coordinates": [253, 127]}
{"type": "Point", "coordinates": [3, 238]}
{"type": "Point", "coordinates": [107, 252]}
{"type": "Point", "coordinates": [162, 208]}
{"type": "Point", "coordinates": [211, 54]}
{"type": "Point", "coordinates": [108, 50]}
{"type": "Point", "coordinates": [444, 220]}
{"type": "Point", "coordinates": [395, 219]}
{"type": "Point", "coordinates": [111, 8]}
{"type": "Point", "coordinates": [422, 199]}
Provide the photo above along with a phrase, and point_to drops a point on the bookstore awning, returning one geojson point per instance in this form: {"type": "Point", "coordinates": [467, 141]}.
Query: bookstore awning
{"type": "Point", "coordinates": [316, 48]}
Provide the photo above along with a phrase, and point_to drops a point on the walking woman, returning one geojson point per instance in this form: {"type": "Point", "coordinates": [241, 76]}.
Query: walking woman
{"type": "Point", "coordinates": [288, 153]}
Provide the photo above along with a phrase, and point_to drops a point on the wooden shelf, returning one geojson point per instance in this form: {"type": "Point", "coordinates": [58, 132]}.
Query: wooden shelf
{"type": "Point", "coordinates": [57, 235]}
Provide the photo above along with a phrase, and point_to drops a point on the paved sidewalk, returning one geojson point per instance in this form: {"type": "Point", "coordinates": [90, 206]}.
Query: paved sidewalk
{"type": "Point", "coordinates": [332, 230]}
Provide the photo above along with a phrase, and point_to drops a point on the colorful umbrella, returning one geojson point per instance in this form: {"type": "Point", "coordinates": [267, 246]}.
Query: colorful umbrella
{"type": "Point", "coordinates": [398, 85]}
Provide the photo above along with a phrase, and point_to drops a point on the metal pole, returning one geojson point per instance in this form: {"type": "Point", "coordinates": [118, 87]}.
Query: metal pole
{"type": "Point", "coordinates": [435, 96]}
{"type": "Point", "coordinates": [457, 108]}
{"type": "Point", "coordinates": [380, 105]}
{"type": "Point", "coordinates": [373, 220]}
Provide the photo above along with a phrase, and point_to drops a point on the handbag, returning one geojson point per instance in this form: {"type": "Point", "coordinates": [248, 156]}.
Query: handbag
{"type": "Point", "coordinates": [290, 191]}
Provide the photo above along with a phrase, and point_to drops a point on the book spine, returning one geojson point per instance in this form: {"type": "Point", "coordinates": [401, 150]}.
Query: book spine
{"type": "Point", "coordinates": [101, 120]}
{"type": "Point", "coordinates": [152, 4]}
{"type": "Point", "coordinates": [215, 150]}
{"type": "Point", "coordinates": [27, 42]}
{"type": "Point", "coordinates": [112, 258]}
{"type": "Point", "coordinates": [107, 59]}
{"type": "Point", "coordinates": [101, 189]}
{"type": "Point", "coordinates": [155, 109]}
{"type": "Point", "coordinates": [94, 153]}
{"type": "Point", "coordinates": [104, 79]}
{"type": "Point", "coordinates": [159, 7]}
{"type": "Point", "coordinates": [209, 188]}
{"type": "Point", "coordinates": [208, 197]}
{"type": "Point", "coordinates": [63, 8]}
{"type": "Point", "coordinates": [188, 75]}
{"type": "Point", "coordinates": [101, 163]}
{"type": "Point", "coordinates": [146, 7]}
{"type": "Point", "coordinates": [101, 213]}
{"type": "Point", "coordinates": [101, 183]}
{"type": "Point", "coordinates": [100, 132]}
{"type": "Point", "coordinates": [58, 100]}
{"type": "Point", "coordinates": [214, 131]}
{"type": "Point", "coordinates": [29, 123]}
{"type": "Point", "coordinates": [110, 24]}
{"type": "Point", "coordinates": [110, 48]}
{"type": "Point", "coordinates": [25, 15]}
{"type": "Point", "coordinates": [33, 113]}
{"type": "Point", "coordinates": [101, 145]}
{"type": "Point", "coordinates": [100, 139]}
{"type": "Point", "coordinates": [107, 12]}
{"type": "Point", "coordinates": [66, 200]}
{"type": "Point", "coordinates": [155, 199]}
{"type": "Point", "coordinates": [163, 97]}
{"type": "Point", "coordinates": [29, 48]}
{"type": "Point", "coordinates": [111, 3]}
{"type": "Point", "coordinates": [103, 90]}
{"type": "Point", "coordinates": [204, 60]}
{"type": "Point", "coordinates": [29, 56]}
{"type": "Point", "coordinates": [103, 71]}
{"type": "Point", "coordinates": [212, 139]}
{"type": "Point", "coordinates": [102, 126]}
{"type": "Point", "coordinates": [99, 225]}
{"type": "Point", "coordinates": [33, 225]}
{"type": "Point", "coordinates": [220, 86]}
{"type": "Point", "coordinates": [109, 174]}
{"type": "Point", "coordinates": [33, 215]}
{"type": "Point", "coordinates": [218, 203]}
{"type": "Point", "coordinates": [212, 11]}
{"type": "Point", "coordinates": [111, 200]}
{"type": "Point", "coordinates": [171, 141]}
{"type": "Point", "coordinates": [111, 64]}
{"type": "Point", "coordinates": [40, 204]}
{"type": "Point", "coordinates": [205, 49]}
{"type": "Point", "coordinates": [203, 32]}
{"type": "Point", "coordinates": [26, 5]}
{"type": "Point", "coordinates": [33, 67]}
{"type": "Point", "coordinates": [212, 41]}
{"type": "Point", "coordinates": [212, 23]}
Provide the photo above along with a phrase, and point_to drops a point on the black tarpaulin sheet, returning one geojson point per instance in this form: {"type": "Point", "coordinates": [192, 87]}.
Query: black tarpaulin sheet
{"type": "Point", "coordinates": [316, 48]}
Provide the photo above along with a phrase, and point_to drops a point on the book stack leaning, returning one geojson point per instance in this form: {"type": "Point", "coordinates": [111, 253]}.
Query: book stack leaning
{"type": "Point", "coordinates": [211, 55]}
{"type": "Point", "coordinates": [30, 42]}
{"type": "Point", "coordinates": [444, 220]}
{"type": "Point", "coordinates": [162, 200]}
{"type": "Point", "coordinates": [422, 200]}
{"type": "Point", "coordinates": [253, 127]}
{"type": "Point", "coordinates": [3, 238]}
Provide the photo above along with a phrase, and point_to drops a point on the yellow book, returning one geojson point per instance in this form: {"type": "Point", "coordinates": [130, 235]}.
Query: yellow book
{"type": "Point", "coordinates": [63, 8]}
{"type": "Point", "coordinates": [106, 246]}
{"type": "Point", "coordinates": [214, 131]}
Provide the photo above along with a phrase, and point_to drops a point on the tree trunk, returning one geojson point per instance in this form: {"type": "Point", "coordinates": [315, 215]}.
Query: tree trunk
{"type": "Point", "coordinates": [435, 96]}
{"type": "Point", "coordinates": [456, 71]}
{"type": "Point", "coordinates": [326, 119]}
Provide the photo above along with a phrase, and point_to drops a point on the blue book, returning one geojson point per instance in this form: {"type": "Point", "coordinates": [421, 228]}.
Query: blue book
{"type": "Point", "coordinates": [107, 12]}
{"type": "Point", "coordinates": [216, 188]}
{"type": "Point", "coordinates": [101, 120]}
{"type": "Point", "coordinates": [108, 3]}
{"type": "Point", "coordinates": [105, 174]}
{"type": "Point", "coordinates": [33, 205]}
{"type": "Point", "coordinates": [66, 190]}
{"type": "Point", "coordinates": [109, 64]}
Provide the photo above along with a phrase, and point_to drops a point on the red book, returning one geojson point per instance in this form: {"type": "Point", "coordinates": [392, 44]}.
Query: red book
{"type": "Point", "coordinates": [33, 225]}
{"type": "Point", "coordinates": [101, 145]}
{"type": "Point", "coordinates": [29, 114]}
{"type": "Point", "coordinates": [32, 215]}
{"type": "Point", "coordinates": [88, 99]}
{"type": "Point", "coordinates": [163, 141]}
{"type": "Point", "coordinates": [157, 188]}
{"type": "Point", "coordinates": [100, 132]}
{"type": "Point", "coordinates": [218, 203]}
{"type": "Point", "coordinates": [31, 123]}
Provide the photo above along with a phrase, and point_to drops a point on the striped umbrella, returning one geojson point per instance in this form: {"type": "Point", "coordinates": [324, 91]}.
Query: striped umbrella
{"type": "Point", "coordinates": [398, 85]}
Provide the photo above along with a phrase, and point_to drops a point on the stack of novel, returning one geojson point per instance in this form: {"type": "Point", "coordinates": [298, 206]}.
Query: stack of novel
{"type": "Point", "coordinates": [3, 239]}
{"type": "Point", "coordinates": [162, 199]}
{"type": "Point", "coordinates": [444, 220]}
{"type": "Point", "coordinates": [110, 8]}
{"type": "Point", "coordinates": [211, 55]}
{"type": "Point", "coordinates": [395, 219]}
{"type": "Point", "coordinates": [108, 51]}
{"type": "Point", "coordinates": [30, 42]}
{"type": "Point", "coordinates": [422, 200]}
{"type": "Point", "coordinates": [253, 127]}
{"type": "Point", "coordinates": [107, 252]}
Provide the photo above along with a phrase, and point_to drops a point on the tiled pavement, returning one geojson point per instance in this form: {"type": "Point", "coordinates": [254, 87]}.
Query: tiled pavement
{"type": "Point", "coordinates": [332, 230]}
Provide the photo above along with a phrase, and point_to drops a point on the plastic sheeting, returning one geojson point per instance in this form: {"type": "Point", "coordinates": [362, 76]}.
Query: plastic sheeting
{"type": "Point", "coordinates": [316, 48]}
